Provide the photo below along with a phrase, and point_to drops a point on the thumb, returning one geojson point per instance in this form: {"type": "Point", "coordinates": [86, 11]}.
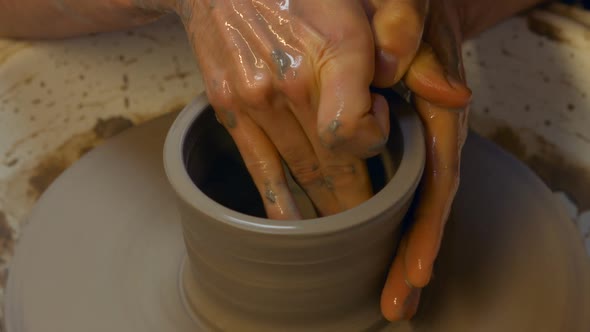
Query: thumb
{"type": "Point", "coordinates": [398, 26]}
{"type": "Point", "coordinates": [428, 79]}
{"type": "Point", "coordinates": [350, 118]}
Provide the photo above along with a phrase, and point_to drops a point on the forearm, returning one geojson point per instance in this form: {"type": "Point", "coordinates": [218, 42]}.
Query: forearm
{"type": "Point", "coordinates": [479, 15]}
{"type": "Point", "coordinates": [64, 18]}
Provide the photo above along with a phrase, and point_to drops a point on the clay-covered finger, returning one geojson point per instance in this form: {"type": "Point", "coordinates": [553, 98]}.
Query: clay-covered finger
{"type": "Point", "coordinates": [348, 179]}
{"type": "Point", "coordinates": [342, 174]}
{"type": "Point", "coordinates": [345, 122]}
{"type": "Point", "coordinates": [396, 292]}
{"type": "Point", "coordinates": [291, 141]}
{"type": "Point", "coordinates": [437, 72]}
{"type": "Point", "coordinates": [350, 118]}
{"type": "Point", "coordinates": [441, 96]}
{"type": "Point", "coordinates": [398, 26]}
{"type": "Point", "coordinates": [263, 162]}
{"type": "Point", "coordinates": [428, 79]}
{"type": "Point", "coordinates": [445, 133]}
{"type": "Point", "coordinates": [342, 59]}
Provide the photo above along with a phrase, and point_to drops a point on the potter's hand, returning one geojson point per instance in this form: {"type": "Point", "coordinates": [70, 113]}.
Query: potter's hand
{"type": "Point", "coordinates": [418, 41]}
{"type": "Point", "coordinates": [291, 80]}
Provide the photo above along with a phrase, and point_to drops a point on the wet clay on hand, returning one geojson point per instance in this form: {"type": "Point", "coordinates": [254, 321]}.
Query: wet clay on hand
{"type": "Point", "coordinates": [290, 83]}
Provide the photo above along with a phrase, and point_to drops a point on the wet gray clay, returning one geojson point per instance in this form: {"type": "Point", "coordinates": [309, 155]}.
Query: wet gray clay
{"type": "Point", "coordinates": [248, 273]}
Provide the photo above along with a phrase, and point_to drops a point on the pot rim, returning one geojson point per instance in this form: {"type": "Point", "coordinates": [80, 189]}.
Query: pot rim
{"type": "Point", "coordinates": [393, 196]}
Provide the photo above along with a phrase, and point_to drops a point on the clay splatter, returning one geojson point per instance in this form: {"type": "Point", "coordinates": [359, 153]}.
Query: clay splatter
{"type": "Point", "coordinates": [270, 194]}
{"type": "Point", "coordinates": [546, 29]}
{"type": "Point", "coordinates": [6, 236]}
{"type": "Point", "coordinates": [177, 75]}
{"type": "Point", "coordinates": [11, 162]}
{"type": "Point", "coordinates": [111, 126]}
{"type": "Point", "coordinates": [510, 141]}
{"type": "Point", "coordinates": [550, 164]}
{"type": "Point", "coordinates": [55, 163]}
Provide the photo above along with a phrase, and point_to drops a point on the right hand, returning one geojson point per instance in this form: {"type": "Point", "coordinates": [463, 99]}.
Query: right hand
{"type": "Point", "coordinates": [419, 41]}
{"type": "Point", "coordinates": [290, 81]}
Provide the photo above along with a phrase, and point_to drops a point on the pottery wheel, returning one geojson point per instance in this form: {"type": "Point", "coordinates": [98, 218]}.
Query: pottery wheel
{"type": "Point", "coordinates": [103, 248]}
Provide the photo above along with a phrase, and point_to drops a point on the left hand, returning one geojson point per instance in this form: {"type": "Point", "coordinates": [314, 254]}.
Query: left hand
{"type": "Point", "coordinates": [419, 42]}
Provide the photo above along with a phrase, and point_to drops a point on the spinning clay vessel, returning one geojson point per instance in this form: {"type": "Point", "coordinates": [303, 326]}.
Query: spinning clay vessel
{"type": "Point", "coordinates": [248, 273]}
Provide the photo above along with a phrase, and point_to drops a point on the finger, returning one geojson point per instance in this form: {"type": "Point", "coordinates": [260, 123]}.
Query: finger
{"type": "Point", "coordinates": [343, 62]}
{"type": "Point", "coordinates": [413, 302]}
{"type": "Point", "coordinates": [283, 70]}
{"type": "Point", "coordinates": [257, 151]}
{"type": "Point", "coordinates": [343, 174]}
{"type": "Point", "coordinates": [398, 26]}
{"type": "Point", "coordinates": [445, 132]}
{"type": "Point", "coordinates": [437, 73]}
{"type": "Point", "coordinates": [348, 179]}
{"type": "Point", "coordinates": [444, 116]}
{"type": "Point", "coordinates": [412, 266]}
{"type": "Point", "coordinates": [263, 163]}
{"type": "Point", "coordinates": [286, 133]}
{"type": "Point", "coordinates": [396, 292]}
{"type": "Point", "coordinates": [428, 79]}
{"type": "Point", "coordinates": [350, 118]}
{"type": "Point", "coordinates": [265, 104]}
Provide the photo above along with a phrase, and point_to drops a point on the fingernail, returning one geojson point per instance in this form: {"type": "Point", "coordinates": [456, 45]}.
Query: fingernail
{"type": "Point", "coordinates": [406, 309]}
{"type": "Point", "coordinates": [386, 65]}
{"type": "Point", "coordinates": [388, 58]}
{"type": "Point", "coordinates": [412, 303]}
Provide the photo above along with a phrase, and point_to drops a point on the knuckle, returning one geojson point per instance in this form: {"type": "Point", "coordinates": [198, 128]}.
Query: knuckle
{"type": "Point", "coordinates": [296, 89]}
{"type": "Point", "coordinates": [336, 132]}
{"type": "Point", "coordinates": [332, 136]}
{"type": "Point", "coordinates": [257, 90]}
{"type": "Point", "coordinates": [325, 49]}
{"type": "Point", "coordinates": [261, 169]}
{"type": "Point", "coordinates": [219, 94]}
{"type": "Point", "coordinates": [339, 175]}
{"type": "Point", "coordinates": [220, 100]}
{"type": "Point", "coordinates": [306, 173]}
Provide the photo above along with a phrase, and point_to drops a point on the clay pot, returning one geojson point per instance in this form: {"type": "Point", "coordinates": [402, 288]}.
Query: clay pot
{"type": "Point", "coordinates": [248, 273]}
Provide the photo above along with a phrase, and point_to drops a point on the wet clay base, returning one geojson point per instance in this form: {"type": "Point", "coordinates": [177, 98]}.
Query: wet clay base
{"type": "Point", "coordinates": [103, 251]}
